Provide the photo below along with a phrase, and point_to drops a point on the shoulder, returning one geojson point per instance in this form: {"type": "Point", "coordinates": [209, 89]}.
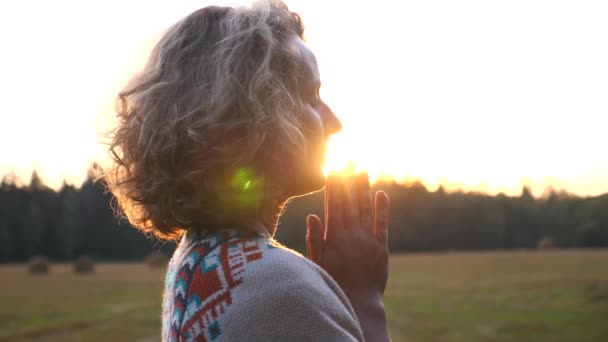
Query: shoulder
{"type": "Point", "coordinates": [256, 287]}
{"type": "Point", "coordinates": [285, 296]}
{"type": "Point", "coordinates": [282, 268]}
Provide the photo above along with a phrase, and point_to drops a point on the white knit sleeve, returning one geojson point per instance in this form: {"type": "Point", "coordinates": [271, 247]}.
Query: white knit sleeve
{"type": "Point", "coordinates": [285, 297]}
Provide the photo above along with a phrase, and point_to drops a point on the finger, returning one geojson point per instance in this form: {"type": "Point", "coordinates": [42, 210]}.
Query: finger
{"type": "Point", "coordinates": [365, 202]}
{"type": "Point", "coordinates": [308, 243]}
{"type": "Point", "coordinates": [382, 217]}
{"type": "Point", "coordinates": [325, 208]}
{"type": "Point", "coordinates": [352, 219]}
{"type": "Point", "coordinates": [314, 238]}
{"type": "Point", "coordinates": [334, 222]}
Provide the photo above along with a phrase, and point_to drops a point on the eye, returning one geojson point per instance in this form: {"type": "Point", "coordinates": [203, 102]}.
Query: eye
{"type": "Point", "coordinates": [315, 99]}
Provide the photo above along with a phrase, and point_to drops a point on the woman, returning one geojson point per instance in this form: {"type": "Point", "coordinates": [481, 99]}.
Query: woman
{"type": "Point", "coordinates": [222, 126]}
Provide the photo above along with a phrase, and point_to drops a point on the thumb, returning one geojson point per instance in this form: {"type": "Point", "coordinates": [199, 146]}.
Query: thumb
{"type": "Point", "coordinates": [314, 238]}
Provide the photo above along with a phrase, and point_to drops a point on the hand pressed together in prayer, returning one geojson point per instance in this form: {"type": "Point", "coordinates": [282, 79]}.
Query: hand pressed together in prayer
{"type": "Point", "coordinates": [352, 246]}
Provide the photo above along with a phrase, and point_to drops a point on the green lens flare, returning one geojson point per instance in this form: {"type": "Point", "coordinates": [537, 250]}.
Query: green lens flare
{"type": "Point", "coordinates": [246, 188]}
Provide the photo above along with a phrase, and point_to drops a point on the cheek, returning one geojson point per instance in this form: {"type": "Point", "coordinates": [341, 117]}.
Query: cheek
{"type": "Point", "coordinates": [315, 139]}
{"type": "Point", "coordinates": [313, 127]}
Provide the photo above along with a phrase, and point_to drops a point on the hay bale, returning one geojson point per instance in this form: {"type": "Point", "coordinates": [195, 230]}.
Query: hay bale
{"type": "Point", "coordinates": [84, 265]}
{"type": "Point", "coordinates": [38, 265]}
{"type": "Point", "coordinates": [546, 243]}
{"type": "Point", "coordinates": [157, 260]}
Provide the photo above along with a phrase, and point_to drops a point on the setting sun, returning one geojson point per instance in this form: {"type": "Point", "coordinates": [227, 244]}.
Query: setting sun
{"type": "Point", "coordinates": [290, 170]}
{"type": "Point", "coordinates": [459, 97]}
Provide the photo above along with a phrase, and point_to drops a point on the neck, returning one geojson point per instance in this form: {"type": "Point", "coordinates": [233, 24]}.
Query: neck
{"type": "Point", "coordinates": [261, 228]}
{"type": "Point", "coordinates": [268, 221]}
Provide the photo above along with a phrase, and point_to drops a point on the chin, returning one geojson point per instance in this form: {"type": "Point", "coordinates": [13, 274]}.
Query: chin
{"type": "Point", "coordinates": [307, 185]}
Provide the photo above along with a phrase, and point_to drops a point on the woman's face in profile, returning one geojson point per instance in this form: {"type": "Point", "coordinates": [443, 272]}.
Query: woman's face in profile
{"type": "Point", "coordinates": [319, 123]}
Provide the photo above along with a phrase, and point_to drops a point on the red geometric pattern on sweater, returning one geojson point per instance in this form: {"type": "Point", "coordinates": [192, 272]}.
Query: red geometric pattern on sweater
{"type": "Point", "coordinates": [210, 277]}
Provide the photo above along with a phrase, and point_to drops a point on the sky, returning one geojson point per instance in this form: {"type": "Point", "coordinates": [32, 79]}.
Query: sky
{"type": "Point", "coordinates": [480, 95]}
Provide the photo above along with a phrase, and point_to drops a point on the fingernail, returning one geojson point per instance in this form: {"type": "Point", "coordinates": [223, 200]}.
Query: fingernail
{"type": "Point", "coordinates": [309, 219]}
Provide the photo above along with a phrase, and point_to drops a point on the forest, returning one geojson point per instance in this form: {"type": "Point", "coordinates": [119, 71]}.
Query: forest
{"type": "Point", "coordinates": [36, 220]}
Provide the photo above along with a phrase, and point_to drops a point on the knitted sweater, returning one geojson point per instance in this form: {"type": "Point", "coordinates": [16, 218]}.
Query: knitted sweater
{"type": "Point", "coordinates": [235, 286]}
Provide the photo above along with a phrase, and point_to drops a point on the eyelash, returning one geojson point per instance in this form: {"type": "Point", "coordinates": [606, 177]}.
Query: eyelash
{"type": "Point", "coordinates": [316, 99]}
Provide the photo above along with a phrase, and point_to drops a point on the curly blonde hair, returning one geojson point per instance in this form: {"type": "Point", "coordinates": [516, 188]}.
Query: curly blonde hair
{"type": "Point", "coordinates": [208, 121]}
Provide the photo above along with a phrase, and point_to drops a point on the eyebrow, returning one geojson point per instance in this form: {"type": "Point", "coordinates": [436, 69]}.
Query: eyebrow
{"type": "Point", "coordinates": [313, 82]}
{"type": "Point", "coordinates": [309, 76]}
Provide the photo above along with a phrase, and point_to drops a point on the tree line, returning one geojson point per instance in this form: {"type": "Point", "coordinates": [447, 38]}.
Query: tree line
{"type": "Point", "coordinates": [71, 222]}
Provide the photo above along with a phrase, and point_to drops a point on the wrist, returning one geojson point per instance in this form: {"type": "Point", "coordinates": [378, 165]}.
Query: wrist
{"type": "Point", "coordinates": [368, 303]}
{"type": "Point", "coordinates": [369, 308]}
{"type": "Point", "coordinates": [364, 297]}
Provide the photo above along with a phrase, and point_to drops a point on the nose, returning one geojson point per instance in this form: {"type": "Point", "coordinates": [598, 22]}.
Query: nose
{"type": "Point", "coordinates": [331, 122]}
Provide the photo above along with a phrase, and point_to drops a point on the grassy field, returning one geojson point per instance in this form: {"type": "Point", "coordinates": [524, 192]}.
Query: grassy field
{"type": "Point", "coordinates": [496, 296]}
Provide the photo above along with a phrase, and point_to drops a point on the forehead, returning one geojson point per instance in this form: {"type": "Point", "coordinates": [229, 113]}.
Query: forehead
{"type": "Point", "coordinates": [308, 60]}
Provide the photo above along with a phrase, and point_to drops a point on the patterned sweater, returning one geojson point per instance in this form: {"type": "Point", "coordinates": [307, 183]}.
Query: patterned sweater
{"type": "Point", "coordinates": [235, 286]}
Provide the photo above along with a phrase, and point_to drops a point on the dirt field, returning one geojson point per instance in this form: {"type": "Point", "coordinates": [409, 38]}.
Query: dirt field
{"type": "Point", "coordinates": [495, 296]}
